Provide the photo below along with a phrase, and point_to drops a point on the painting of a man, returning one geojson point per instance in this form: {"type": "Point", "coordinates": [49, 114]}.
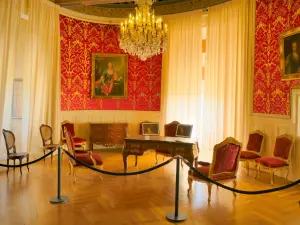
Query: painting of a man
{"type": "Point", "coordinates": [290, 54]}
{"type": "Point", "coordinates": [109, 76]}
{"type": "Point", "coordinates": [292, 62]}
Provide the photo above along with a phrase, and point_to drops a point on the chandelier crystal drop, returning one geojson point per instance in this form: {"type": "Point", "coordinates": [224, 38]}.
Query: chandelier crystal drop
{"type": "Point", "coordinates": [143, 35]}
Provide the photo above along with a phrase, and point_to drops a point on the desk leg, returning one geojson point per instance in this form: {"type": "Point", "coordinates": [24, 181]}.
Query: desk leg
{"type": "Point", "coordinates": [125, 155]}
{"type": "Point", "coordinates": [136, 160]}
{"type": "Point", "coordinates": [196, 162]}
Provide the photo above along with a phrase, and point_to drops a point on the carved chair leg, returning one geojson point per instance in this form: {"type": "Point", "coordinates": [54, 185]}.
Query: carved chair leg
{"type": "Point", "coordinates": [20, 160]}
{"type": "Point", "coordinates": [286, 177]}
{"type": "Point", "coordinates": [27, 160]}
{"type": "Point", "coordinates": [44, 155]}
{"type": "Point", "coordinates": [70, 168]}
{"type": "Point", "coordinates": [156, 158]}
{"type": "Point", "coordinates": [101, 168]}
{"type": "Point", "coordinates": [234, 186]}
{"type": "Point", "coordinates": [14, 164]}
{"type": "Point", "coordinates": [272, 176]}
{"type": "Point", "coordinates": [51, 155]}
{"type": "Point", "coordinates": [247, 165]}
{"type": "Point", "coordinates": [190, 182]}
{"type": "Point", "coordinates": [209, 186]}
{"type": "Point", "coordinates": [7, 167]}
{"type": "Point", "coordinates": [256, 170]}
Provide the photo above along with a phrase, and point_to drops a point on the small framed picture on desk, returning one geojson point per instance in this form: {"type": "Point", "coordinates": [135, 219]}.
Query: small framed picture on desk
{"type": "Point", "coordinates": [150, 129]}
{"type": "Point", "coordinates": [184, 130]}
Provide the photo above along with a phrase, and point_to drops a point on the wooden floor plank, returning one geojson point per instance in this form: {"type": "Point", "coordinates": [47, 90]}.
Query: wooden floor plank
{"type": "Point", "coordinates": [143, 199]}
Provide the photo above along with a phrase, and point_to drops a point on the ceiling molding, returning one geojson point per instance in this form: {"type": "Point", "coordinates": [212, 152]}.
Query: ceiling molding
{"type": "Point", "coordinates": [160, 9]}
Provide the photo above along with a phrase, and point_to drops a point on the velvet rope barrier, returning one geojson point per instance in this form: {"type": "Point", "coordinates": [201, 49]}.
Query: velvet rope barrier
{"type": "Point", "coordinates": [116, 173]}
{"type": "Point", "coordinates": [236, 190]}
{"type": "Point", "coordinates": [31, 162]}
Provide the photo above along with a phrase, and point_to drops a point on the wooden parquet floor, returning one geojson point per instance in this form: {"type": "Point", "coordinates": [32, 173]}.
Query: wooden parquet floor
{"type": "Point", "coordinates": [142, 199]}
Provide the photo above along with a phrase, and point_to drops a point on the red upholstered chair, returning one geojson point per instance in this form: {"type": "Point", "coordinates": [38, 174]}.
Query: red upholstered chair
{"type": "Point", "coordinates": [281, 157]}
{"type": "Point", "coordinates": [254, 148]}
{"type": "Point", "coordinates": [86, 156]}
{"type": "Point", "coordinates": [170, 131]}
{"type": "Point", "coordinates": [79, 142]}
{"type": "Point", "coordinates": [224, 165]}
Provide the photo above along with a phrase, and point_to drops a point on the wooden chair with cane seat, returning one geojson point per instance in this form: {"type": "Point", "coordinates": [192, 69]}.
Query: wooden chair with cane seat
{"type": "Point", "coordinates": [85, 156]}
{"type": "Point", "coordinates": [254, 148]}
{"type": "Point", "coordinates": [223, 168]}
{"type": "Point", "coordinates": [12, 153]}
{"type": "Point", "coordinates": [46, 134]}
{"type": "Point", "coordinates": [281, 157]}
{"type": "Point", "coordinates": [80, 143]}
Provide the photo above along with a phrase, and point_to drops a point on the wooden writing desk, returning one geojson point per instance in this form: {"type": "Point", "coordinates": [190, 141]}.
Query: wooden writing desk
{"type": "Point", "coordinates": [107, 134]}
{"type": "Point", "coordinates": [185, 147]}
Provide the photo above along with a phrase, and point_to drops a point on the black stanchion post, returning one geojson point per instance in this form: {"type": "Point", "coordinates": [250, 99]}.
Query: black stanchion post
{"type": "Point", "coordinates": [176, 216]}
{"type": "Point", "coordinates": [59, 198]}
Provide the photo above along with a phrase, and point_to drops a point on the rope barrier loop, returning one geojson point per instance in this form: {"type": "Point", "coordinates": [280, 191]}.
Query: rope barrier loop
{"type": "Point", "coordinates": [117, 173]}
{"type": "Point", "coordinates": [31, 162]}
{"type": "Point", "coordinates": [237, 190]}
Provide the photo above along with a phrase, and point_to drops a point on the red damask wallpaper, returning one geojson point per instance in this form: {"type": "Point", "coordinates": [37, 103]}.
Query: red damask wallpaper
{"type": "Point", "coordinates": [79, 39]}
{"type": "Point", "coordinates": [272, 95]}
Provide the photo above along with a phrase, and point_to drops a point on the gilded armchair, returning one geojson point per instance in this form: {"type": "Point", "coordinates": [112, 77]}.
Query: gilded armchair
{"type": "Point", "coordinates": [223, 168]}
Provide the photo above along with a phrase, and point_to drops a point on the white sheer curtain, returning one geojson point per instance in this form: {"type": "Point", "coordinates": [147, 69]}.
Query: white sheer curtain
{"type": "Point", "coordinates": [182, 70]}
{"type": "Point", "coordinates": [9, 24]}
{"type": "Point", "coordinates": [229, 54]}
{"type": "Point", "coordinates": [42, 70]}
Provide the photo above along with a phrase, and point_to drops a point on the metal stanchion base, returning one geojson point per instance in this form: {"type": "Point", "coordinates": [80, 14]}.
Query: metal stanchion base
{"type": "Point", "coordinates": [62, 199]}
{"type": "Point", "coordinates": [171, 217]}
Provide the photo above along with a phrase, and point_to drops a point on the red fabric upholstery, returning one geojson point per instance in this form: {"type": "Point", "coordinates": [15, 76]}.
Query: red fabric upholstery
{"type": "Point", "coordinates": [282, 147]}
{"type": "Point", "coordinates": [80, 152]}
{"type": "Point", "coordinates": [249, 155]}
{"type": "Point", "coordinates": [170, 129]}
{"type": "Point", "coordinates": [203, 163]}
{"type": "Point", "coordinates": [86, 158]}
{"type": "Point", "coordinates": [226, 158]}
{"type": "Point", "coordinates": [78, 140]}
{"type": "Point", "coordinates": [70, 129]}
{"type": "Point", "coordinates": [254, 142]}
{"type": "Point", "coordinates": [271, 162]}
{"type": "Point", "coordinates": [205, 171]}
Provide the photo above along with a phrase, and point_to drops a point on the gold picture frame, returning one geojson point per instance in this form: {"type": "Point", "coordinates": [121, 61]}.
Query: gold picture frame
{"type": "Point", "coordinates": [184, 130]}
{"type": "Point", "coordinates": [109, 78]}
{"type": "Point", "coordinates": [150, 129]}
{"type": "Point", "coordinates": [289, 47]}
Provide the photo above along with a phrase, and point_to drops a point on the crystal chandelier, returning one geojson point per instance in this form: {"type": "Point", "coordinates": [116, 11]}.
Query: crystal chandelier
{"type": "Point", "coordinates": [143, 35]}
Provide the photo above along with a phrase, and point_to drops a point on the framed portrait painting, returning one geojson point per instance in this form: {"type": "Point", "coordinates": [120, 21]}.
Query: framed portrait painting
{"type": "Point", "coordinates": [184, 130]}
{"type": "Point", "coordinates": [290, 54]}
{"type": "Point", "coordinates": [150, 129]}
{"type": "Point", "coordinates": [109, 76]}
